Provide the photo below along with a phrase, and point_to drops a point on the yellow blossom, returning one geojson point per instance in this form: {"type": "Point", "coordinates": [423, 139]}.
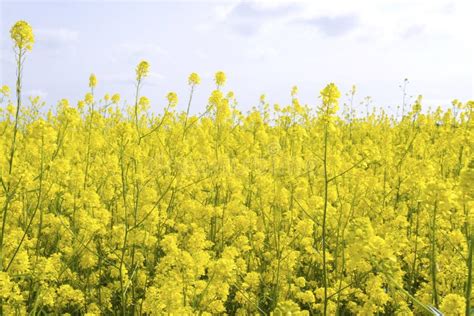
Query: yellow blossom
{"type": "Point", "coordinates": [115, 98]}
{"type": "Point", "coordinates": [220, 78]}
{"type": "Point", "coordinates": [22, 35]}
{"type": "Point", "coordinates": [142, 70]}
{"type": "Point", "coordinates": [144, 103]}
{"type": "Point", "coordinates": [89, 98]}
{"type": "Point", "coordinates": [172, 99]}
{"type": "Point", "coordinates": [194, 79]}
{"type": "Point", "coordinates": [5, 90]}
{"type": "Point", "coordinates": [92, 81]}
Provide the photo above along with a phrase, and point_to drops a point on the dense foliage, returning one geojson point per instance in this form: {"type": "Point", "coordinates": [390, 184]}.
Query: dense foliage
{"type": "Point", "coordinates": [110, 209]}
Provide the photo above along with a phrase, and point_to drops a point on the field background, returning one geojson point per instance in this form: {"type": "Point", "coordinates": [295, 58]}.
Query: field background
{"type": "Point", "coordinates": [198, 201]}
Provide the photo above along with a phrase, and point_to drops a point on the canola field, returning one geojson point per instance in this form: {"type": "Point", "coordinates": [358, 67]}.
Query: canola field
{"type": "Point", "coordinates": [110, 209]}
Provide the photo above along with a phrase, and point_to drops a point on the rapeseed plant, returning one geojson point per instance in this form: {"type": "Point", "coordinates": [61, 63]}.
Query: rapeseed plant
{"type": "Point", "coordinates": [285, 210]}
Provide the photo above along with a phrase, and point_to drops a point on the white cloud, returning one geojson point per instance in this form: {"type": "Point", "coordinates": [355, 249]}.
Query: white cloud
{"type": "Point", "coordinates": [413, 31]}
{"type": "Point", "coordinates": [7, 56]}
{"type": "Point", "coordinates": [135, 52]}
{"type": "Point", "coordinates": [155, 76]}
{"type": "Point", "coordinates": [221, 11]}
{"type": "Point", "coordinates": [127, 78]}
{"type": "Point", "coordinates": [202, 54]}
{"type": "Point", "coordinates": [381, 20]}
{"type": "Point", "coordinates": [261, 53]}
{"type": "Point", "coordinates": [144, 48]}
{"type": "Point", "coordinates": [56, 36]}
{"type": "Point", "coordinates": [119, 1]}
{"type": "Point", "coordinates": [334, 25]}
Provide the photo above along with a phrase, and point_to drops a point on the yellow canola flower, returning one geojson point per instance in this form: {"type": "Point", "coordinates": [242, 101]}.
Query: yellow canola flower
{"type": "Point", "coordinates": [92, 81]}
{"type": "Point", "coordinates": [172, 99]}
{"type": "Point", "coordinates": [142, 70]}
{"type": "Point", "coordinates": [330, 96]}
{"type": "Point", "coordinates": [453, 304]}
{"type": "Point", "coordinates": [64, 103]}
{"type": "Point", "coordinates": [5, 90]}
{"type": "Point", "coordinates": [80, 104]}
{"type": "Point", "coordinates": [294, 91]}
{"type": "Point", "coordinates": [22, 34]}
{"type": "Point", "coordinates": [222, 212]}
{"type": "Point", "coordinates": [144, 103]}
{"type": "Point", "coordinates": [220, 78]}
{"type": "Point", "coordinates": [89, 98]}
{"type": "Point", "coordinates": [194, 79]}
{"type": "Point", "coordinates": [115, 98]}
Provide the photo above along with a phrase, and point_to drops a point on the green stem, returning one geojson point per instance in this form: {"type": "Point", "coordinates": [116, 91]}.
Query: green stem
{"type": "Point", "coordinates": [413, 270]}
{"type": "Point", "coordinates": [136, 106]}
{"type": "Point", "coordinates": [187, 110]}
{"type": "Point", "coordinates": [433, 258]}
{"type": "Point", "coordinates": [324, 228]}
{"type": "Point", "coordinates": [469, 276]}
{"type": "Point", "coordinates": [12, 153]}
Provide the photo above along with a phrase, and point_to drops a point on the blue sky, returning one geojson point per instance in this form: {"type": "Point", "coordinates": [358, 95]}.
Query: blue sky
{"type": "Point", "coordinates": [263, 46]}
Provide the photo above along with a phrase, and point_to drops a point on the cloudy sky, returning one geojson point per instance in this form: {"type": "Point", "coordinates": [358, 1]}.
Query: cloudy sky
{"type": "Point", "coordinates": [263, 46]}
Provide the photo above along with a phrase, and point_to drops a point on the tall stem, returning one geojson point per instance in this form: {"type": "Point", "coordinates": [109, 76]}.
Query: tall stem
{"type": "Point", "coordinates": [433, 258]}
{"type": "Point", "coordinates": [469, 275]}
{"type": "Point", "coordinates": [136, 106]}
{"type": "Point", "coordinates": [326, 182]}
{"type": "Point", "coordinates": [18, 105]}
{"type": "Point", "coordinates": [413, 270]}
{"type": "Point", "coordinates": [187, 110]}
{"type": "Point", "coordinates": [12, 153]}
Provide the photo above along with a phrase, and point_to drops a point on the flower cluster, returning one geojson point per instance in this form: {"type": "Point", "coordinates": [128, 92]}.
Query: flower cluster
{"type": "Point", "coordinates": [110, 210]}
{"type": "Point", "coordinates": [142, 70]}
{"type": "Point", "coordinates": [22, 35]}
